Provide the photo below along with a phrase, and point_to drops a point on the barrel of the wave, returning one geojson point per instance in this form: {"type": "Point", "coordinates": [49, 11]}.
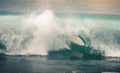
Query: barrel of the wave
{"type": "Point", "coordinates": [86, 50]}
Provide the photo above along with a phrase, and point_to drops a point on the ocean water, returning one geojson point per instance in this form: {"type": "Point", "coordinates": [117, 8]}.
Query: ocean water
{"type": "Point", "coordinates": [38, 64]}
{"type": "Point", "coordinates": [48, 42]}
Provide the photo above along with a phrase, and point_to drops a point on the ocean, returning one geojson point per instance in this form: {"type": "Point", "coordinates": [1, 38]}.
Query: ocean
{"type": "Point", "coordinates": [47, 42]}
{"type": "Point", "coordinates": [38, 64]}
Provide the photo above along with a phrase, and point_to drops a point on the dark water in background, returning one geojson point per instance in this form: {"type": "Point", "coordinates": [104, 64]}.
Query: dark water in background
{"type": "Point", "coordinates": [38, 64]}
{"type": "Point", "coordinates": [100, 23]}
{"type": "Point", "coordinates": [80, 59]}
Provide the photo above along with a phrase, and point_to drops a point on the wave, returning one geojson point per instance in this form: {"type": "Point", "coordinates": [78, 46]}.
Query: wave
{"type": "Point", "coordinates": [48, 34]}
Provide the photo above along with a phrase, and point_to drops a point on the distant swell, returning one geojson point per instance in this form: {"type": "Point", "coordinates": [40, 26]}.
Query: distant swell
{"type": "Point", "coordinates": [59, 36]}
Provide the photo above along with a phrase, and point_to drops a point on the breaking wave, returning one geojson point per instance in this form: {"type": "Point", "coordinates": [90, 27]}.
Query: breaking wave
{"type": "Point", "coordinates": [50, 34]}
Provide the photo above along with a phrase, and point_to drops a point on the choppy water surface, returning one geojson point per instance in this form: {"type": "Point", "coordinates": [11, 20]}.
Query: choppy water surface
{"type": "Point", "coordinates": [38, 64]}
{"type": "Point", "coordinates": [59, 36]}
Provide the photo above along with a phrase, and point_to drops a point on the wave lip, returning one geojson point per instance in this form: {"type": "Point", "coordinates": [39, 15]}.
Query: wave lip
{"type": "Point", "coordinates": [46, 33]}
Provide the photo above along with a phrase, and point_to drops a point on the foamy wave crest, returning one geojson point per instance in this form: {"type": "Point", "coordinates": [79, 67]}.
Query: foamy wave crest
{"type": "Point", "coordinates": [40, 33]}
{"type": "Point", "coordinates": [37, 34]}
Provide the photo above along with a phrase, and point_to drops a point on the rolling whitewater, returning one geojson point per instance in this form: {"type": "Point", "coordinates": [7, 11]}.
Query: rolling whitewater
{"type": "Point", "coordinates": [49, 42]}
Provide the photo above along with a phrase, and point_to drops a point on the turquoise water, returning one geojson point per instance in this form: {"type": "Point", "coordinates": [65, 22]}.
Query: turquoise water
{"type": "Point", "coordinates": [98, 32]}
{"type": "Point", "coordinates": [38, 64]}
{"type": "Point", "coordinates": [46, 43]}
{"type": "Point", "coordinates": [59, 36]}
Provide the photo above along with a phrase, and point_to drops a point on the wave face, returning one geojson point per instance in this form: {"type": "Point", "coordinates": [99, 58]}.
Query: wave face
{"type": "Point", "coordinates": [50, 34]}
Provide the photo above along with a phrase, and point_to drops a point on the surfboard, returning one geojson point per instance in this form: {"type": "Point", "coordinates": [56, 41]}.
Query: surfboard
{"type": "Point", "coordinates": [77, 40]}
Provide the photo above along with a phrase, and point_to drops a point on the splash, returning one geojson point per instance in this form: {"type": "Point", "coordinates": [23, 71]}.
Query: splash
{"type": "Point", "coordinates": [39, 33]}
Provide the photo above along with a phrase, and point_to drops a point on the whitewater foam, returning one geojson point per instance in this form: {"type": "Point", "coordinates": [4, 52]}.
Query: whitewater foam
{"type": "Point", "coordinates": [42, 32]}
{"type": "Point", "coordinates": [37, 34]}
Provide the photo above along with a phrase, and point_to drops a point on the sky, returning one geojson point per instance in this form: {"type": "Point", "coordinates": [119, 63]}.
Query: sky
{"type": "Point", "coordinates": [75, 6]}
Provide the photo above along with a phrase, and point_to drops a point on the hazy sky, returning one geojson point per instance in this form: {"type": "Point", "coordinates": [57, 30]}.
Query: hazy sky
{"type": "Point", "coordinates": [84, 6]}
